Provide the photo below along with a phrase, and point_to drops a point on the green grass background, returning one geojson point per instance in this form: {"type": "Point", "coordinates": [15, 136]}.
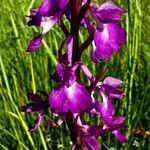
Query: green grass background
{"type": "Point", "coordinates": [21, 72]}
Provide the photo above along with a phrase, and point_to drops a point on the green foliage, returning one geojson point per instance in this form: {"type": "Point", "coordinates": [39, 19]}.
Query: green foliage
{"type": "Point", "coordinates": [21, 72]}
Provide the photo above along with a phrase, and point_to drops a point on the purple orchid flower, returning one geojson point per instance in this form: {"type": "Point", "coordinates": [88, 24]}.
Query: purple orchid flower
{"type": "Point", "coordinates": [38, 106]}
{"type": "Point", "coordinates": [46, 16]}
{"type": "Point", "coordinates": [71, 98]}
{"type": "Point", "coordinates": [110, 88]}
{"type": "Point", "coordinates": [109, 35]}
{"type": "Point", "coordinates": [74, 98]}
{"type": "Point", "coordinates": [69, 95]}
{"type": "Point", "coordinates": [86, 135]}
{"type": "Point", "coordinates": [110, 122]}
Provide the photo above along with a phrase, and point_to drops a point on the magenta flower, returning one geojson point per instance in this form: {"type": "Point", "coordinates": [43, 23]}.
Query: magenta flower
{"type": "Point", "coordinates": [110, 88]}
{"type": "Point", "coordinates": [37, 106]}
{"type": "Point", "coordinates": [87, 135]}
{"type": "Point", "coordinates": [69, 96]}
{"type": "Point", "coordinates": [46, 16]}
{"type": "Point", "coordinates": [72, 97]}
{"type": "Point", "coordinates": [109, 35]}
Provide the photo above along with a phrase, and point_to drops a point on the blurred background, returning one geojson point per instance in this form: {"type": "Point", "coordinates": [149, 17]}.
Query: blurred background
{"type": "Point", "coordinates": [22, 72]}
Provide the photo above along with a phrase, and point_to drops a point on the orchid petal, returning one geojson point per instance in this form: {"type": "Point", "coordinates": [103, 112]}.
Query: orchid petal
{"type": "Point", "coordinates": [91, 143]}
{"type": "Point", "coordinates": [106, 108]}
{"type": "Point", "coordinates": [35, 98]}
{"type": "Point", "coordinates": [112, 92]}
{"type": "Point", "coordinates": [111, 81]}
{"type": "Point", "coordinates": [46, 16]}
{"type": "Point", "coordinates": [116, 123]}
{"type": "Point", "coordinates": [37, 122]}
{"type": "Point", "coordinates": [120, 136]}
{"type": "Point", "coordinates": [108, 12]}
{"type": "Point", "coordinates": [107, 39]}
{"type": "Point", "coordinates": [74, 98]}
{"type": "Point", "coordinates": [35, 43]}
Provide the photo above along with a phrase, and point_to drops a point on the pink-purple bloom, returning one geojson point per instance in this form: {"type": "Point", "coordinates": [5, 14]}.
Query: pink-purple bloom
{"type": "Point", "coordinates": [69, 95]}
{"type": "Point", "coordinates": [74, 98]}
{"type": "Point", "coordinates": [71, 98]}
{"type": "Point", "coordinates": [46, 16]}
{"type": "Point", "coordinates": [109, 35]}
{"type": "Point", "coordinates": [38, 106]}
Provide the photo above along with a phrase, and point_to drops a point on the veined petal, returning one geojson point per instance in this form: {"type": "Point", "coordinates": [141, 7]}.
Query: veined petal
{"type": "Point", "coordinates": [95, 108]}
{"type": "Point", "coordinates": [46, 16]}
{"type": "Point", "coordinates": [111, 81]}
{"type": "Point", "coordinates": [120, 136]}
{"type": "Point", "coordinates": [93, 130]}
{"type": "Point", "coordinates": [35, 43]}
{"type": "Point", "coordinates": [51, 7]}
{"type": "Point", "coordinates": [48, 22]}
{"type": "Point", "coordinates": [117, 35]}
{"type": "Point", "coordinates": [111, 87]}
{"type": "Point", "coordinates": [107, 39]}
{"type": "Point", "coordinates": [107, 13]}
{"type": "Point", "coordinates": [106, 108]}
{"type": "Point", "coordinates": [37, 105]}
{"type": "Point", "coordinates": [74, 98]}
{"type": "Point", "coordinates": [116, 123]}
{"type": "Point", "coordinates": [87, 73]}
{"type": "Point", "coordinates": [112, 92]}
{"type": "Point", "coordinates": [112, 6]}
{"type": "Point", "coordinates": [66, 73]}
{"type": "Point", "coordinates": [73, 147]}
{"type": "Point", "coordinates": [46, 7]}
{"type": "Point", "coordinates": [98, 53]}
{"type": "Point", "coordinates": [91, 143]}
{"type": "Point", "coordinates": [37, 122]}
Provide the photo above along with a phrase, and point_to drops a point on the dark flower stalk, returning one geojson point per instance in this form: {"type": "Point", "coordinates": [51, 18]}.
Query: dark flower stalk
{"type": "Point", "coordinates": [72, 98]}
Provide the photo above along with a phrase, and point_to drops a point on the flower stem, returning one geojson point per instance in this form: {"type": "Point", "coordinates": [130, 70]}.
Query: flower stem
{"type": "Point", "coordinates": [98, 77]}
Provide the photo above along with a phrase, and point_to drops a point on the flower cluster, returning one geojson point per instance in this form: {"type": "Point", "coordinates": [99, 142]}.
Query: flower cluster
{"type": "Point", "coordinates": [72, 98]}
